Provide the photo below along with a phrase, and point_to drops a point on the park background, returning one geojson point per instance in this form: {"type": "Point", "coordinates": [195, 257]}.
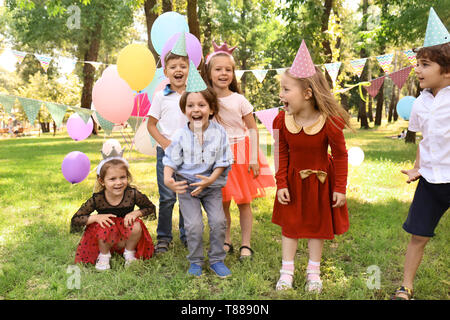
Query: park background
{"type": "Point", "coordinates": [36, 248]}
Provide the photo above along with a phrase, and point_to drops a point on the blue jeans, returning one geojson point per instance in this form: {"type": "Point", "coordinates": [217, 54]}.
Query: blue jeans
{"type": "Point", "coordinates": [167, 199]}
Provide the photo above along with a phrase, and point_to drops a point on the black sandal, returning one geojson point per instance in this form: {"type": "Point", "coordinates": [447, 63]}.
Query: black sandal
{"type": "Point", "coordinates": [402, 290]}
{"type": "Point", "coordinates": [162, 246]}
{"type": "Point", "coordinates": [243, 258]}
{"type": "Point", "coordinates": [230, 247]}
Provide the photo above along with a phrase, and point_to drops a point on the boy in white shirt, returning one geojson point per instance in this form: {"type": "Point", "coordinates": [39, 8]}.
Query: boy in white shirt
{"type": "Point", "coordinates": [165, 112]}
{"type": "Point", "coordinates": [431, 116]}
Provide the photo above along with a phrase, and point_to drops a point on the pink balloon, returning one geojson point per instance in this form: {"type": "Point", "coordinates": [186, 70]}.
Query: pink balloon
{"type": "Point", "coordinates": [160, 87]}
{"type": "Point", "coordinates": [193, 48]}
{"type": "Point", "coordinates": [142, 103]}
{"type": "Point", "coordinates": [77, 129]}
{"type": "Point", "coordinates": [113, 97]}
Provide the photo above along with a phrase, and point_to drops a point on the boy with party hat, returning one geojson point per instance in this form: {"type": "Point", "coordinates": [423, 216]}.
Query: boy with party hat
{"type": "Point", "coordinates": [196, 165]}
{"type": "Point", "coordinates": [431, 116]}
{"type": "Point", "coordinates": [165, 118]}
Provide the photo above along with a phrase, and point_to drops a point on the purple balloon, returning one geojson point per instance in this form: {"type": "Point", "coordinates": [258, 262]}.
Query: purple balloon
{"type": "Point", "coordinates": [78, 129]}
{"type": "Point", "coordinates": [193, 48]}
{"type": "Point", "coordinates": [75, 167]}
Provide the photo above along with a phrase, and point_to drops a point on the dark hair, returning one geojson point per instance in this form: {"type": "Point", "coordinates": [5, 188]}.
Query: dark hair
{"type": "Point", "coordinates": [210, 97]}
{"type": "Point", "coordinates": [206, 72]}
{"type": "Point", "coordinates": [439, 53]}
{"type": "Point", "coordinates": [101, 176]}
{"type": "Point", "coordinates": [173, 56]}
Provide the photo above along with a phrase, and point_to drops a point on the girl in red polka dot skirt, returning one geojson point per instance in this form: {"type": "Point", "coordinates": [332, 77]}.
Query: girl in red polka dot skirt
{"type": "Point", "coordinates": [117, 227]}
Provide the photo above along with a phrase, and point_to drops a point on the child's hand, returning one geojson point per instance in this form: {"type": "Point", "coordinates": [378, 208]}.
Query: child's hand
{"type": "Point", "coordinates": [255, 169]}
{"type": "Point", "coordinates": [413, 174]}
{"type": "Point", "coordinates": [339, 198]}
{"type": "Point", "coordinates": [104, 220]}
{"type": "Point", "coordinates": [201, 185]}
{"type": "Point", "coordinates": [283, 196]}
{"type": "Point", "coordinates": [176, 186]}
{"type": "Point", "coordinates": [165, 144]}
{"type": "Point", "coordinates": [131, 217]}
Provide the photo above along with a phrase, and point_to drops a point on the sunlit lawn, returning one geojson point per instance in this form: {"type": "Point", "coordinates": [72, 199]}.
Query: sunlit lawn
{"type": "Point", "coordinates": [36, 248]}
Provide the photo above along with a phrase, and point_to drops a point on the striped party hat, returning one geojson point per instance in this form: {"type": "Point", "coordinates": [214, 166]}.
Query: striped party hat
{"type": "Point", "coordinates": [303, 66]}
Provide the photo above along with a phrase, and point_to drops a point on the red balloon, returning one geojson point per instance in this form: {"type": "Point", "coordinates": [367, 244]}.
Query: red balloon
{"type": "Point", "coordinates": [142, 103]}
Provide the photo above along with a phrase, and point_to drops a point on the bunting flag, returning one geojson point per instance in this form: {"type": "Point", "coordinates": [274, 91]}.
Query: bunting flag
{"type": "Point", "coordinates": [260, 74]}
{"type": "Point", "coordinates": [358, 65]}
{"type": "Point", "coordinates": [333, 70]}
{"type": "Point", "coordinates": [411, 55]}
{"type": "Point", "coordinates": [135, 122]}
{"type": "Point", "coordinates": [31, 108]}
{"type": "Point", "coordinates": [66, 65]}
{"type": "Point", "coordinates": [84, 113]}
{"type": "Point", "coordinates": [239, 74]}
{"type": "Point", "coordinates": [266, 117]}
{"type": "Point", "coordinates": [7, 102]}
{"type": "Point", "coordinates": [281, 70]}
{"type": "Point", "coordinates": [19, 55]}
{"type": "Point", "coordinates": [57, 111]}
{"type": "Point", "coordinates": [386, 62]}
{"type": "Point", "coordinates": [95, 64]}
{"type": "Point", "coordinates": [44, 60]}
{"type": "Point", "coordinates": [105, 124]}
{"type": "Point", "coordinates": [399, 77]}
{"type": "Point", "coordinates": [375, 86]}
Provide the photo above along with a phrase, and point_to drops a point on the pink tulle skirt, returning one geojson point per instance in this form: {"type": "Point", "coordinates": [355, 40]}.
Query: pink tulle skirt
{"type": "Point", "coordinates": [242, 185]}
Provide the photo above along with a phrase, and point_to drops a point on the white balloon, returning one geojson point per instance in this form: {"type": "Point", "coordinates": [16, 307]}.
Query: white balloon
{"type": "Point", "coordinates": [143, 140]}
{"type": "Point", "coordinates": [355, 156]}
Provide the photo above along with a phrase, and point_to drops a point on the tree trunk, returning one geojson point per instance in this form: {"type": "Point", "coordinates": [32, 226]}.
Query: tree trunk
{"type": "Point", "coordinates": [205, 17]}
{"type": "Point", "coordinates": [362, 105]}
{"type": "Point", "coordinates": [325, 42]}
{"type": "Point", "coordinates": [150, 17]}
{"type": "Point", "coordinates": [167, 5]}
{"type": "Point", "coordinates": [369, 108]}
{"type": "Point", "coordinates": [194, 26]}
{"type": "Point", "coordinates": [379, 108]}
{"type": "Point", "coordinates": [392, 103]}
{"type": "Point", "coordinates": [410, 137]}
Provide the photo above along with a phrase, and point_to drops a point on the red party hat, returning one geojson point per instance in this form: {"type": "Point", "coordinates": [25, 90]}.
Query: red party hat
{"type": "Point", "coordinates": [303, 66]}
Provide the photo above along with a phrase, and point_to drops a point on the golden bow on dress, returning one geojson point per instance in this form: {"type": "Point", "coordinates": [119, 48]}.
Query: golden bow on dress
{"type": "Point", "coordinates": [321, 175]}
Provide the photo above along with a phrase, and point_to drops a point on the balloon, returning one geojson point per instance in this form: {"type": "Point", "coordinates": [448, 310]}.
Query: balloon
{"type": "Point", "coordinates": [165, 26]}
{"type": "Point", "coordinates": [142, 104]}
{"type": "Point", "coordinates": [113, 98]}
{"type": "Point", "coordinates": [355, 156]}
{"type": "Point", "coordinates": [150, 89]}
{"type": "Point", "coordinates": [77, 129]}
{"type": "Point", "coordinates": [143, 140]}
{"type": "Point", "coordinates": [136, 65]}
{"type": "Point", "coordinates": [160, 87]}
{"type": "Point", "coordinates": [110, 145]}
{"type": "Point", "coordinates": [193, 48]}
{"type": "Point", "coordinates": [404, 107]}
{"type": "Point", "coordinates": [110, 69]}
{"type": "Point", "coordinates": [75, 166]}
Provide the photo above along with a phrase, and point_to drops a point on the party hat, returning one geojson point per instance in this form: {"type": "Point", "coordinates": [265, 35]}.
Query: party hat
{"type": "Point", "coordinates": [180, 46]}
{"type": "Point", "coordinates": [303, 66]}
{"type": "Point", "coordinates": [436, 32]}
{"type": "Point", "coordinates": [195, 82]}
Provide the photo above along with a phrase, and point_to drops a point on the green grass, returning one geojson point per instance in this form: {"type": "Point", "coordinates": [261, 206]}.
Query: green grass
{"type": "Point", "coordinates": [36, 247]}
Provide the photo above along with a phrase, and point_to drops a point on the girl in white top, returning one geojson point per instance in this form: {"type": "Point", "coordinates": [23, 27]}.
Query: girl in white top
{"type": "Point", "coordinates": [250, 172]}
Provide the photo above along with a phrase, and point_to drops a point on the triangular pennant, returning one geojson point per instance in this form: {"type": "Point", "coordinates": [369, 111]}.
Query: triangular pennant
{"type": "Point", "coordinates": [84, 113]}
{"type": "Point", "coordinates": [31, 108]}
{"type": "Point", "coordinates": [411, 55]}
{"type": "Point", "coordinates": [195, 82]}
{"type": "Point", "coordinates": [8, 61]}
{"type": "Point", "coordinates": [44, 60]}
{"type": "Point", "coordinates": [399, 77]}
{"type": "Point", "coordinates": [436, 32]}
{"type": "Point", "coordinates": [57, 111]}
{"type": "Point", "coordinates": [386, 62]}
{"type": "Point", "coordinates": [358, 65]}
{"type": "Point", "coordinates": [179, 47]}
{"type": "Point", "coordinates": [105, 124]}
{"type": "Point", "coordinates": [135, 122]}
{"type": "Point", "coordinates": [375, 86]}
{"type": "Point", "coordinates": [95, 64]}
{"type": "Point", "coordinates": [19, 55]}
{"type": "Point", "coordinates": [260, 74]}
{"type": "Point", "coordinates": [239, 74]}
{"type": "Point", "coordinates": [303, 66]}
{"type": "Point", "coordinates": [333, 69]}
{"type": "Point", "coordinates": [66, 65]}
{"type": "Point", "coordinates": [267, 116]}
{"type": "Point", "coordinates": [7, 102]}
{"type": "Point", "coordinates": [281, 70]}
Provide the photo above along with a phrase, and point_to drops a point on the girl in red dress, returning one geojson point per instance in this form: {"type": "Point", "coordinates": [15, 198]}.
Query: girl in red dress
{"type": "Point", "coordinates": [117, 227]}
{"type": "Point", "coordinates": [310, 201]}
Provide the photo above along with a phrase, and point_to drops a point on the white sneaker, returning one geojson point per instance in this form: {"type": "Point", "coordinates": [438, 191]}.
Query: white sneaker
{"type": "Point", "coordinates": [103, 262]}
{"type": "Point", "coordinates": [129, 257]}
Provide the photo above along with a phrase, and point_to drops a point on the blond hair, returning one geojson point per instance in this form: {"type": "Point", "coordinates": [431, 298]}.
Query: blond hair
{"type": "Point", "coordinates": [324, 101]}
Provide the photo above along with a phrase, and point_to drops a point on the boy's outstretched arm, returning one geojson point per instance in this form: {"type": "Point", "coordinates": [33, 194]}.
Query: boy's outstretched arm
{"type": "Point", "coordinates": [413, 174]}
{"type": "Point", "coordinates": [169, 181]}
{"type": "Point", "coordinates": [206, 181]}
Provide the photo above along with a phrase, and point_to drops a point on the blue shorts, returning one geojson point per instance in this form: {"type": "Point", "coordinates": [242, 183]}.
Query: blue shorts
{"type": "Point", "coordinates": [430, 202]}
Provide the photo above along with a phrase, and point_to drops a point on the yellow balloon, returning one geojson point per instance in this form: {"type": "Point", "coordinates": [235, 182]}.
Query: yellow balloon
{"type": "Point", "coordinates": [136, 65]}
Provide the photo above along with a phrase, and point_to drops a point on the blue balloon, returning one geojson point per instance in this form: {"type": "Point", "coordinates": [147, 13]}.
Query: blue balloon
{"type": "Point", "coordinates": [404, 107]}
{"type": "Point", "coordinates": [165, 26]}
{"type": "Point", "coordinates": [150, 89]}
